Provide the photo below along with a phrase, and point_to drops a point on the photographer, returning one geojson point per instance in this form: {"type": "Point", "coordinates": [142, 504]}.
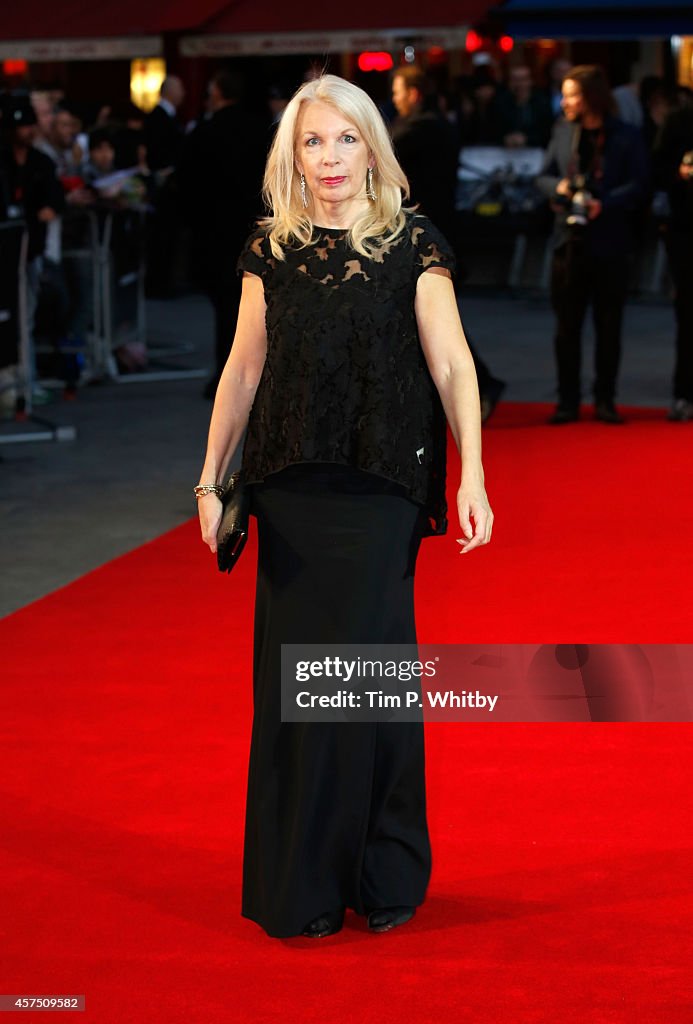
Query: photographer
{"type": "Point", "coordinates": [673, 159]}
{"type": "Point", "coordinates": [595, 175]}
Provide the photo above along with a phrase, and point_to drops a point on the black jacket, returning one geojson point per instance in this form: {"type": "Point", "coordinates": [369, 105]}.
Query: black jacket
{"type": "Point", "coordinates": [622, 186]}
{"type": "Point", "coordinates": [220, 177]}
{"type": "Point", "coordinates": [426, 149]}
{"type": "Point", "coordinates": [163, 136]}
{"type": "Point", "coordinates": [31, 186]}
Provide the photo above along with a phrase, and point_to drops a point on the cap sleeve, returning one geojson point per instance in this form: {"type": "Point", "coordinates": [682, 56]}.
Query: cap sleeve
{"type": "Point", "coordinates": [431, 247]}
{"type": "Point", "coordinates": [256, 255]}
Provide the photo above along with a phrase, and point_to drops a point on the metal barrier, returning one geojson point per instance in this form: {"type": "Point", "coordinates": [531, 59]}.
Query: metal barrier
{"type": "Point", "coordinates": [16, 359]}
{"type": "Point", "coordinates": [14, 355]}
{"type": "Point", "coordinates": [119, 277]}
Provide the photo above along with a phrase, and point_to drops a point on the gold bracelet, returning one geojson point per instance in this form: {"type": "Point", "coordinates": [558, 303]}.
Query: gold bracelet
{"type": "Point", "coordinates": [202, 489]}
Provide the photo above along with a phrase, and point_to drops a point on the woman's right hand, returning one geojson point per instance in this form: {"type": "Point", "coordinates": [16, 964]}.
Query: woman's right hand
{"type": "Point", "coordinates": [210, 509]}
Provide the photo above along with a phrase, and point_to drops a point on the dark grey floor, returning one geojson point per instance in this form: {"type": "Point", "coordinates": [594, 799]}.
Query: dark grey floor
{"type": "Point", "coordinates": [68, 507]}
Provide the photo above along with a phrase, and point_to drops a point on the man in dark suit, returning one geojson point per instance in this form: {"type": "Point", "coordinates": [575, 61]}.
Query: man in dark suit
{"type": "Point", "coordinates": [427, 151]}
{"type": "Point", "coordinates": [164, 136]}
{"type": "Point", "coordinates": [595, 174]}
{"type": "Point", "coordinates": [221, 177]}
{"type": "Point", "coordinates": [426, 148]}
{"type": "Point", "coordinates": [163, 132]}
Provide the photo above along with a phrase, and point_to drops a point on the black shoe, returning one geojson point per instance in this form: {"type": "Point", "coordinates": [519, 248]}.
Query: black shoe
{"type": "Point", "coordinates": [491, 397]}
{"type": "Point", "coordinates": [606, 412]}
{"type": "Point", "coordinates": [327, 924]}
{"type": "Point", "coordinates": [389, 917]}
{"type": "Point", "coordinates": [565, 414]}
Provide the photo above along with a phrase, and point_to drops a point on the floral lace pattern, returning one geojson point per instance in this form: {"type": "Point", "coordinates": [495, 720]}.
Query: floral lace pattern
{"type": "Point", "coordinates": [345, 379]}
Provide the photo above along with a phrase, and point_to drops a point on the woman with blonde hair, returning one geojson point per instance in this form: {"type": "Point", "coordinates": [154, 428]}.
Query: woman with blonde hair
{"type": "Point", "coordinates": [348, 357]}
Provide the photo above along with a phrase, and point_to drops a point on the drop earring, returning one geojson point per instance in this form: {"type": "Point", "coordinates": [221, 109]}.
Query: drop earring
{"type": "Point", "coordinates": [369, 185]}
{"type": "Point", "coordinates": [304, 198]}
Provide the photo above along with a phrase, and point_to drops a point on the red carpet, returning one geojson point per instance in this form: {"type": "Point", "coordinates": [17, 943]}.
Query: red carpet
{"type": "Point", "coordinates": [561, 888]}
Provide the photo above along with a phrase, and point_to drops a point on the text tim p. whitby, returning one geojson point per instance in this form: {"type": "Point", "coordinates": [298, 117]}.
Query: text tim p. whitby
{"type": "Point", "coordinates": [412, 698]}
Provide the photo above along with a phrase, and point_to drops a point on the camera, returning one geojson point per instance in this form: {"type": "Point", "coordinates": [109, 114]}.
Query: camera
{"type": "Point", "coordinates": [580, 201]}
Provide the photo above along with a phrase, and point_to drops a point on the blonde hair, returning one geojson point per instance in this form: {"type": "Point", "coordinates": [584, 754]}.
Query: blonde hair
{"type": "Point", "coordinates": [289, 220]}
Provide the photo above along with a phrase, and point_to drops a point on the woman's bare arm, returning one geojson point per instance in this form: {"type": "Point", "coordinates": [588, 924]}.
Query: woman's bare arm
{"type": "Point", "coordinates": [452, 369]}
{"type": "Point", "coordinates": [234, 398]}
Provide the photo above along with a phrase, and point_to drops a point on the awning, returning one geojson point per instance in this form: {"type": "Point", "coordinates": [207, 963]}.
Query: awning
{"type": "Point", "coordinates": [77, 29]}
{"type": "Point", "coordinates": [365, 15]}
{"type": "Point", "coordinates": [596, 19]}
{"type": "Point", "coordinates": [84, 19]}
{"type": "Point", "coordinates": [42, 30]}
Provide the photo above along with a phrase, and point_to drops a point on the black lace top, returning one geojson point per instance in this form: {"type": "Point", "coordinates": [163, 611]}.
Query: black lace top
{"type": "Point", "coordinates": [345, 379]}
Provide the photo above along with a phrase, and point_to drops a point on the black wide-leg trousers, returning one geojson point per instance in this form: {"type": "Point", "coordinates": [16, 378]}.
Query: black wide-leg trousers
{"type": "Point", "coordinates": [336, 812]}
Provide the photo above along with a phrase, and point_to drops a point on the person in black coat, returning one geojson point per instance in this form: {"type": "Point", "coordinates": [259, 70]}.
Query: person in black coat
{"type": "Point", "coordinates": [673, 161]}
{"type": "Point", "coordinates": [163, 132]}
{"type": "Point", "coordinates": [595, 174]}
{"type": "Point", "coordinates": [163, 138]}
{"type": "Point", "coordinates": [221, 179]}
{"type": "Point", "coordinates": [32, 189]}
{"type": "Point", "coordinates": [523, 113]}
{"type": "Point", "coordinates": [427, 151]}
{"type": "Point", "coordinates": [32, 193]}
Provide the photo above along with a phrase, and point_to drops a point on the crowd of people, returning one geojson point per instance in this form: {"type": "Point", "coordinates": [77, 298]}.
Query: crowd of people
{"type": "Point", "coordinates": [187, 194]}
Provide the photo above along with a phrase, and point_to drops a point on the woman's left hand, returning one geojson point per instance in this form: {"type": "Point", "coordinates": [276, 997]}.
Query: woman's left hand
{"type": "Point", "coordinates": [476, 517]}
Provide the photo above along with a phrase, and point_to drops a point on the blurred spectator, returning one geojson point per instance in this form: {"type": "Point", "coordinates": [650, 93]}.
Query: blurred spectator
{"type": "Point", "coordinates": [119, 188]}
{"type": "Point", "coordinates": [62, 146]}
{"type": "Point", "coordinates": [103, 116]}
{"type": "Point", "coordinates": [628, 106]}
{"type": "Point", "coordinates": [673, 163]}
{"type": "Point", "coordinates": [645, 106]}
{"type": "Point", "coordinates": [45, 116]}
{"type": "Point", "coordinates": [129, 136]}
{"type": "Point", "coordinates": [121, 192]}
{"type": "Point", "coordinates": [425, 147]}
{"type": "Point", "coordinates": [478, 117]}
{"type": "Point", "coordinates": [655, 101]}
{"type": "Point", "coordinates": [35, 194]}
{"type": "Point", "coordinates": [524, 113]}
{"type": "Point", "coordinates": [164, 136]}
{"type": "Point", "coordinates": [557, 70]}
{"type": "Point", "coordinates": [64, 306]}
{"type": "Point", "coordinates": [101, 154]}
{"type": "Point", "coordinates": [221, 180]}
{"type": "Point", "coordinates": [163, 132]}
{"type": "Point", "coordinates": [595, 174]}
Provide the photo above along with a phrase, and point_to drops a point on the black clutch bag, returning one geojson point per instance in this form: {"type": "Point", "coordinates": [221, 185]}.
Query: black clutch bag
{"type": "Point", "coordinates": [233, 528]}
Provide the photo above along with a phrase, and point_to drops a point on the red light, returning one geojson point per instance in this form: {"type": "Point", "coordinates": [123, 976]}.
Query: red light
{"type": "Point", "coordinates": [436, 55]}
{"type": "Point", "coordinates": [473, 41]}
{"type": "Point", "coordinates": [506, 43]}
{"type": "Point", "coordinates": [13, 68]}
{"type": "Point", "coordinates": [378, 61]}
